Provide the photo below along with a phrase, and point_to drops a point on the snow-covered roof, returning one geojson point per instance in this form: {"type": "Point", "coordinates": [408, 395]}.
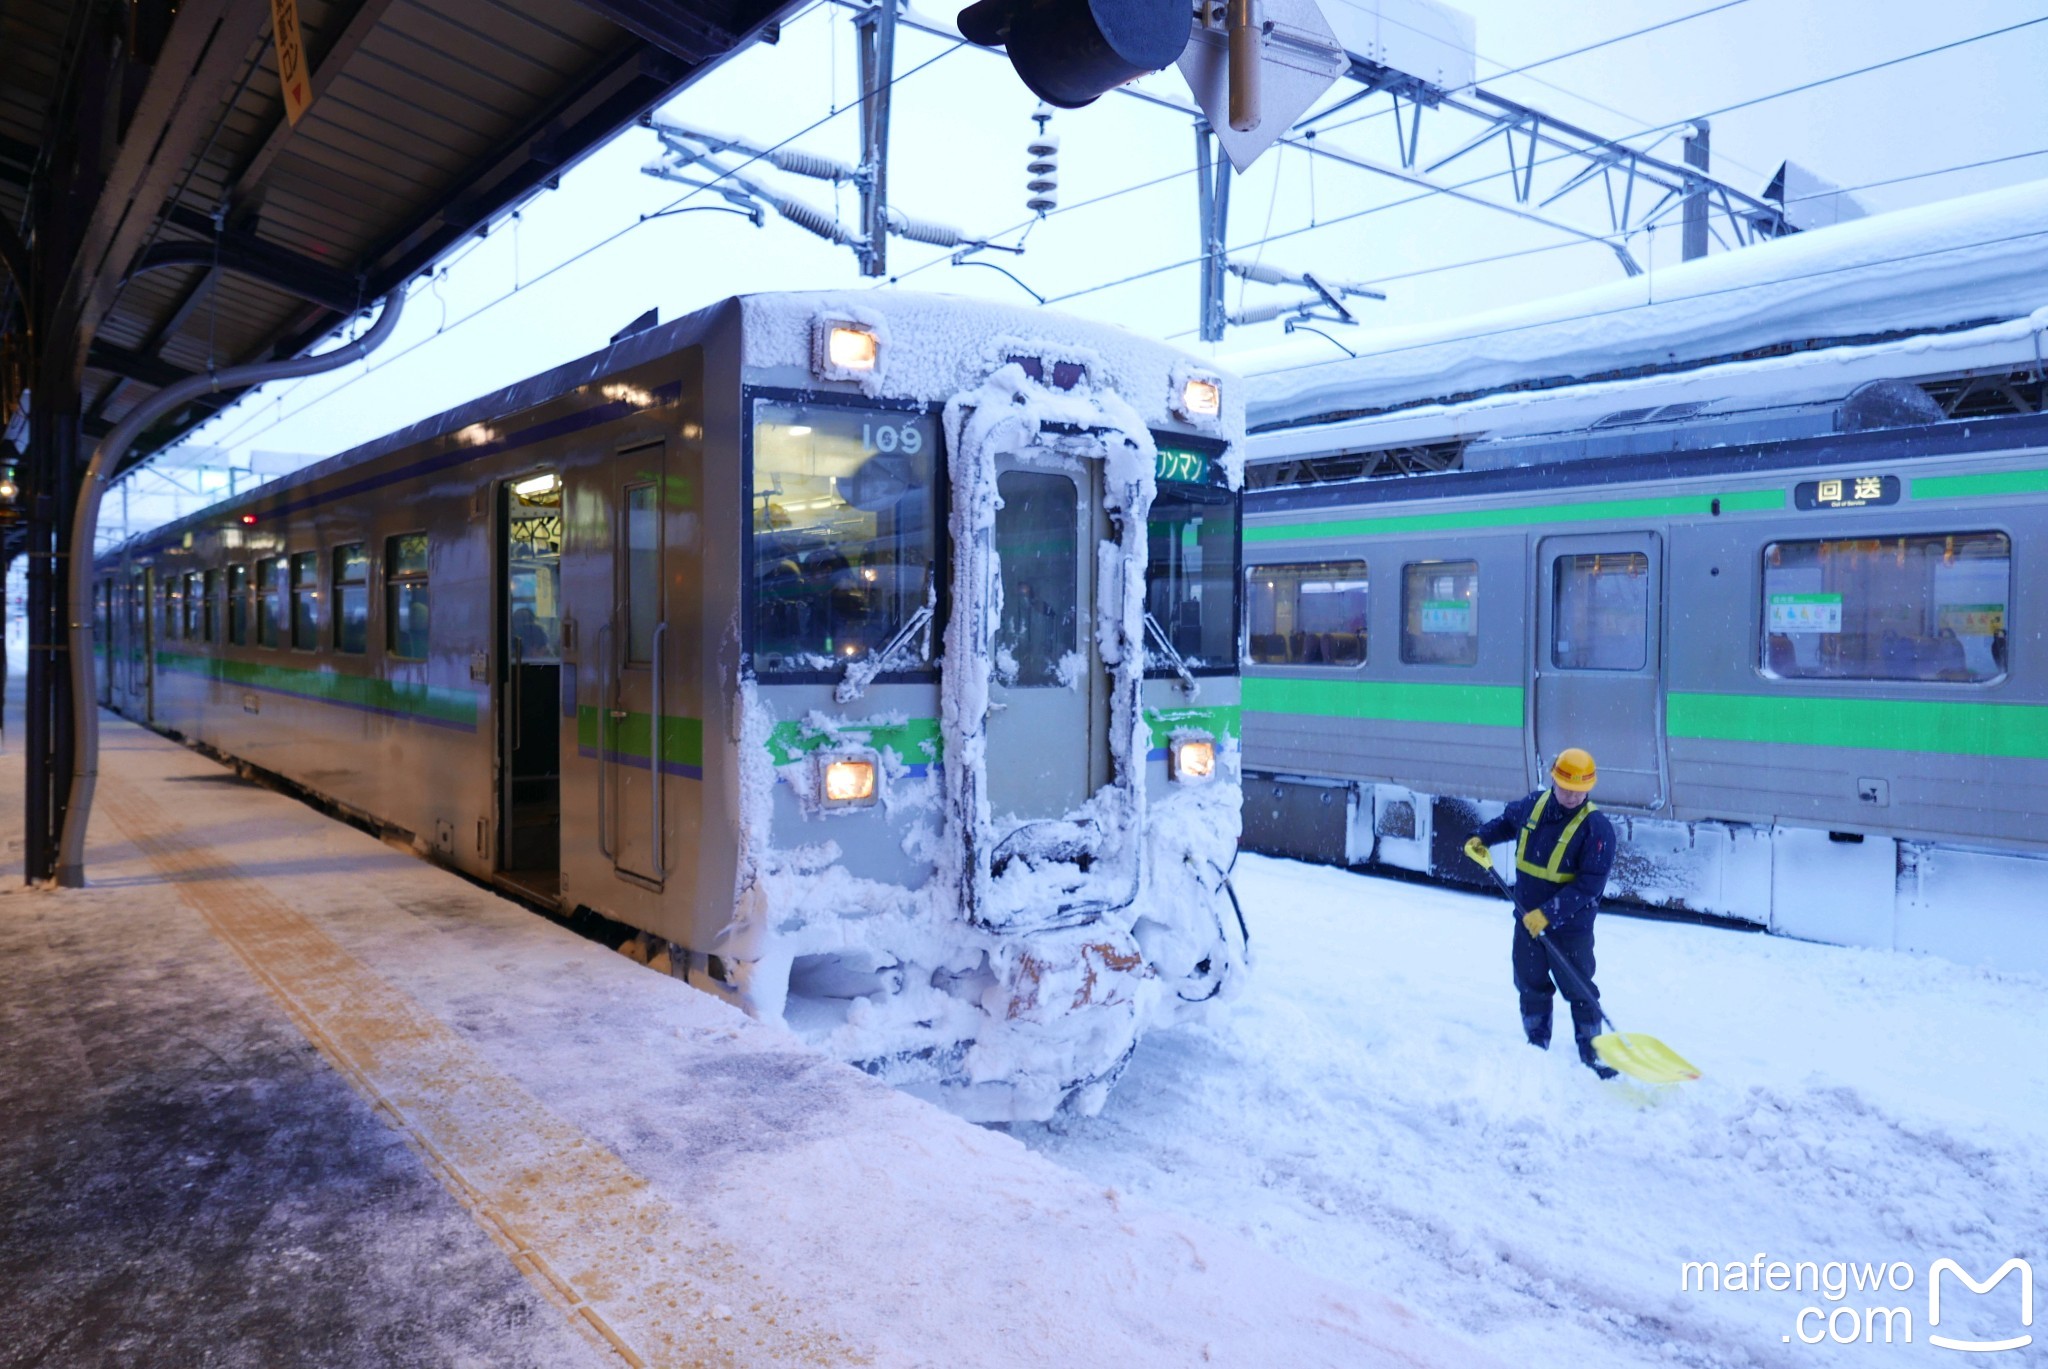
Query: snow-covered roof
{"type": "Point", "coordinates": [1976, 260]}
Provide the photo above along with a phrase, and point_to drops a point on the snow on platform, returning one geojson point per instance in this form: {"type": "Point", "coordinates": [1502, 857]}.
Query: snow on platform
{"type": "Point", "coordinates": [1369, 1110]}
{"type": "Point", "coordinates": [276, 1093]}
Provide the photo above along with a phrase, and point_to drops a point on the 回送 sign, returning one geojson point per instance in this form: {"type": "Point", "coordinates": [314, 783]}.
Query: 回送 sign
{"type": "Point", "coordinates": [1846, 492]}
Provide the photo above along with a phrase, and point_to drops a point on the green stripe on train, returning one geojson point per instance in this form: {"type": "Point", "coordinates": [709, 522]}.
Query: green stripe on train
{"type": "Point", "coordinates": [682, 738]}
{"type": "Point", "coordinates": [457, 706]}
{"type": "Point", "coordinates": [1960, 729]}
{"type": "Point", "coordinates": [1476, 705]}
{"type": "Point", "coordinates": [2032, 481]}
{"type": "Point", "coordinates": [1583, 511]}
{"type": "Point", "coordinates": [914, 740]}
{"type": "Point", "coordinates": [1219, 720]}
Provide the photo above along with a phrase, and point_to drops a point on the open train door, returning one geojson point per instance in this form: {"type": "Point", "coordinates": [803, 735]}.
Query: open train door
{"type": "Point", "coordinates": [529, 683]}
{"type": "Point", "coordinates": [1599, 654]}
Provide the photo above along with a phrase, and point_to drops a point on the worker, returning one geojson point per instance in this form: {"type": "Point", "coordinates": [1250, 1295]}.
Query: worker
{"type": "Point", "coordinates": [1564, 848]}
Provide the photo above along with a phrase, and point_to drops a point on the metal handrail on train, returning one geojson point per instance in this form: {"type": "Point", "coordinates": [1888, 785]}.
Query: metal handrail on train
{"type": "Point", "coordinates": [654, 750]}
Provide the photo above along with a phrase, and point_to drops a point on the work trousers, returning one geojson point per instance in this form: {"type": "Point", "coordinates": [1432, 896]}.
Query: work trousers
{"type": "Point", "coordinates": [1539, 986]}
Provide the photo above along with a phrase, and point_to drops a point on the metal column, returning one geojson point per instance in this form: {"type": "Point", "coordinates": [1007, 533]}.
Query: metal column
{"type": "Point", "coordinates": [1695, 240]}
{"type": "Point", "coordinates": [877, 74]}
{"type": "Point", "coordinates": [1212, 189]}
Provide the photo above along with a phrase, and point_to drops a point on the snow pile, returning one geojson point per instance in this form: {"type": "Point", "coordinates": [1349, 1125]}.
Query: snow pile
{"type": "Point", "coordinates": [1369, 1110]}
{"type": "Point", "coordinates": [1978, 259]}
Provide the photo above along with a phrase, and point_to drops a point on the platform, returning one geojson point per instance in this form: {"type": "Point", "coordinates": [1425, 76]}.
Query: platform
{"type": "Point", "coordinates": [274, 1092]}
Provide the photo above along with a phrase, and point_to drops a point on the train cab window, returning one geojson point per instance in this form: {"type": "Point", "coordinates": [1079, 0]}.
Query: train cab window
{"type": "Point", "coordinates": [351, 599]}
{"type": "Point", "coordinates": [305, 591]}
{"type": "Point", "coordinates": [1308, 613]}
{"type": "Point", "coordinates": [1440, 613]}
{"type": "Point", "coordinates": [844, 531]}
{"type": "Point", "coordinates": [238, 606]}
{"type": "Point", "coordinates": [273, 622]}
{"type": "Point", "coordinates": [195, 595]}
{"type": "Point", "coordinates": [1924, 608]}
{"type": "Point", "coordinates": [1191, 576]}
{"type": "Point", "coordinates": [406, 601]}
{"type": "Point", "coordinates": [1600, 611]}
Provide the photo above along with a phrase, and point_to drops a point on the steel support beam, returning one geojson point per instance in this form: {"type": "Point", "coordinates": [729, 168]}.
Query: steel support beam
{"type": "Point", "coordinates": [1212, 205]}
{"type": "Point", "coordinates": [877, 26]}
{"type": "Point", "coordinates": [1696, 188]}
{"type": "Point", "coordinates": [668, 26]}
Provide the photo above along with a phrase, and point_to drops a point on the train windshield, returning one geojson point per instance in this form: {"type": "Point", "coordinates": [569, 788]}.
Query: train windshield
{"type": "Point", "coordinates": [1191, 580]}
{"type": "Point", "coordinates": [845, 534]}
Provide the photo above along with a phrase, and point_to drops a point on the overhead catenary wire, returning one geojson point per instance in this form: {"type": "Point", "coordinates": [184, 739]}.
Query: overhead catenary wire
{"type": "Point", "coordinates": [1610, 143]}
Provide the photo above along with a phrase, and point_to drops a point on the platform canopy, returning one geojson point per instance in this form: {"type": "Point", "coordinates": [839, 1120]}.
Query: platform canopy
{"type": "Point", "coordinates": [162, 211]}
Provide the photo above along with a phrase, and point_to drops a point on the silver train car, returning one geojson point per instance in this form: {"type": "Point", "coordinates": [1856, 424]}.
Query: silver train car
{"type": "Point", "coordinates": [1805, 643]}
{"type": "Point", "coordinates": [875, 657]}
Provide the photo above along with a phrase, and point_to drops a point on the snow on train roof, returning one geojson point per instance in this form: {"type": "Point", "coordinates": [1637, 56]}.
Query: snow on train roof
{"type": "Point", "coordinates": [1977, 260]}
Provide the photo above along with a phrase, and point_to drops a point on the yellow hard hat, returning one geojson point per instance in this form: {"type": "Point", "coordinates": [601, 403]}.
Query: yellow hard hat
{"type": "Point", "coordinates": [1574, 769]}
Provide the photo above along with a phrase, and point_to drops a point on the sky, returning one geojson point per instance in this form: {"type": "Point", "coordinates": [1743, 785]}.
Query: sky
{"type": "Point", "coordinates": [579, 262]}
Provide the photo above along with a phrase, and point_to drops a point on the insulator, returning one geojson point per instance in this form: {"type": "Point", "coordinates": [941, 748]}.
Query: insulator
{"type": "Point", "coordinates": [813, 220]}
{"type": "Point", "coordinates": [923, 230]}
{"type": "Point", "coordinates": [1042, 185]}
{"type": "Point", "coordinates": [1262, 273]}
{"type": "Point", "coordinates": [1044, 145]}
{"type": "Point", "coordinates": [1041, 204]}
{"type": "Point", "coordinates": [1042, 166]}
{"type": "Point", "coordinates": [800, 163]}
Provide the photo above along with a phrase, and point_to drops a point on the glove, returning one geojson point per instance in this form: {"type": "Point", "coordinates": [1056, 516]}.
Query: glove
{"type": "Point", "coordinates": [1476, 849]}
{"type": "Point", "coordinates": [1535, 921]}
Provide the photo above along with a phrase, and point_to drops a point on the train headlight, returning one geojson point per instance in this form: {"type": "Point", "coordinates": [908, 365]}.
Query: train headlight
{"type": "Point", "coordinates": [842, 349]}
{"type": "Point", "coordinates": [847, 781]}
{"type": "Point", "coordinates": [1194, 760]}
{"type": "Point", "coordinates": [1200, 399]}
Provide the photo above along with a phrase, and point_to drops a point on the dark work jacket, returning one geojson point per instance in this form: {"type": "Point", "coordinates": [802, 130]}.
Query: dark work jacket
{"type": "Point", "coordinates": [1570, 907]}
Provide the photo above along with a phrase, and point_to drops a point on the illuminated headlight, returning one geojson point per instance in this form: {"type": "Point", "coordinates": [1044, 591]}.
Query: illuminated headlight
{"type": "Point", "coordinates": [1194, 760]}
{"type": "Point", "coordinates": [844, 350]}
{"type": "Point", "coordinates": [847, 781]}
{"type": "Point", "coordinates": [1200, 398]}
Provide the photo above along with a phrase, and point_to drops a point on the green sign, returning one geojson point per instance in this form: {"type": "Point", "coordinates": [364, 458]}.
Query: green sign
{"type": "Point", "coordinates": [1172, 463]}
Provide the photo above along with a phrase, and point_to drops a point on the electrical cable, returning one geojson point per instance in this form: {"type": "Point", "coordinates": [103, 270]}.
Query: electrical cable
{"type": "Point", "coordinates": [1610, 143]}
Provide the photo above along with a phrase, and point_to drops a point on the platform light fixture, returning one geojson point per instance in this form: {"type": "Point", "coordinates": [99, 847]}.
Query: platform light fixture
{"type": "Point", "coordinates": [847, 781]}
{"type": "Point", "coordinates": [1194, 760]}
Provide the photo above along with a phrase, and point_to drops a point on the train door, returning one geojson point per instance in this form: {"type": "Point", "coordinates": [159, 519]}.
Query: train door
{"type": "Point", "coordinates": [1048, 700]}
{"type": "Point", "coordinates": [642, 735]}
{"type": "Point", "coordinates": [1599, 648]}
{"type": "Point", "coordinates": [529, 621]}
{"type": "Point", "coordinates": [142, 642]}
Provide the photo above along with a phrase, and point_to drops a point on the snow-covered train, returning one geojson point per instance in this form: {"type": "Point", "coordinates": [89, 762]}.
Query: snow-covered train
{"type": "Point", "coordinates": [875, 656]}
{"type": "Point", "coordinates": [1775, 551]}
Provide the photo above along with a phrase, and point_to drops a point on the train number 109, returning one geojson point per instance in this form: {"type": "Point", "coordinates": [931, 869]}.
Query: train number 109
{"type": "Point", "coordinates": [887, 437]}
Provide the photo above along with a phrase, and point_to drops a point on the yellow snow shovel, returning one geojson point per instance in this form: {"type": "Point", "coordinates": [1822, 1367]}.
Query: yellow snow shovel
{"type": "Point", "coordinates": [1632, 1053]}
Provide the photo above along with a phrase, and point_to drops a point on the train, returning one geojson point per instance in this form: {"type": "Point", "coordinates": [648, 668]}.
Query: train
{"type": "Point", "coordinates": [871, 659]}
{"type": "Point", "coordinates": [1792, 604]}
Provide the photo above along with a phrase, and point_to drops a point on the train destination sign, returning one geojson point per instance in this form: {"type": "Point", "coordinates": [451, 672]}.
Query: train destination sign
{"type": "Point", "coordinates": [1188, 467]}
{"type": "Point", "coordinates": [1846, 492]}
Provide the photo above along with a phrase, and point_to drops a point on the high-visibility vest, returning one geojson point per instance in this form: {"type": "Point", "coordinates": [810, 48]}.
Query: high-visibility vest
{"type": "Point", "coordinates": [1549, 871]}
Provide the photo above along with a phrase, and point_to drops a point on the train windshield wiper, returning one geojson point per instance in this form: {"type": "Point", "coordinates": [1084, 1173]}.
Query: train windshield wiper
{"type": "Point", "coordinates": [895, 654]}
{"type": "Point", "coordinates": [1173, 658]}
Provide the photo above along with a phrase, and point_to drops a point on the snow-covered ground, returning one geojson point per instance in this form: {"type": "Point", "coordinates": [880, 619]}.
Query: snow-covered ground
{"type": "Point", "coordinates": [1370, 1111]}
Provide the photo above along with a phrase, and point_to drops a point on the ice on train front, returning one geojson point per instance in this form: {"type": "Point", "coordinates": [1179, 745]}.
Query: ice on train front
{"type": "Point", "coordinates": [989, 683]}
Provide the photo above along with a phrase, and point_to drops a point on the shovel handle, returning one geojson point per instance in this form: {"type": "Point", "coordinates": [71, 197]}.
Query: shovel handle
{"type": "Point", "coordinates": [1558, 963]}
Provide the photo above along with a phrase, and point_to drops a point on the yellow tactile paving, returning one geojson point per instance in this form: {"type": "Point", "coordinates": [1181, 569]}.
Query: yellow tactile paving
{"type": "Point", "coordinates": [634, 1273]}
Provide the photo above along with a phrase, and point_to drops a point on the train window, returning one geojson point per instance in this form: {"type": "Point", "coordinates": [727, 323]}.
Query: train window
{"type": "Point", "coordinates": [1309, 613]}
{"type": "Point", "coordinates": [1038, 543]}
{"type": "Point", "coordinates": [167, 596]}
{"type": "Point", "coordinates": [305, 590]}
{"type": "Point", "coordinates": [643, 573]}
{"type": "Point", "coordinates": [1191, 580]}
{"type": "Point", "coordinates": [845, 532]}
{"type": "Point", "coordinates": [1600, 611]}
{"type": "Point", "coordinates": [272, 621]}
{"type": "Point", "coordinates": [195, 595]}
{"type": "Point", "coordinates": [1930, 607]}
{"type": "Point", "coordinates": [351, 599]}
{"type": "Point", "coordinates": [406, 601]}
{"type": "Point", "coordinates": [1440, 613]}
{"type": "Point", "coordinates": [209, 606]}
{"type": "Point", "coordinates": [238, 606]}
